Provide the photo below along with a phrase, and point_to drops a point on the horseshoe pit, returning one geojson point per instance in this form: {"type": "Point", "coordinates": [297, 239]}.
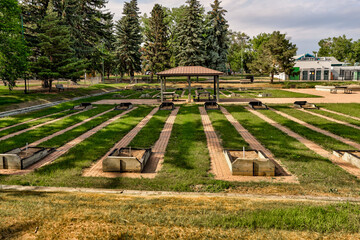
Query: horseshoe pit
{"type": "Point", "coordinates": [249, 163]}
{"type": "Point", "coordinates": [20, 159]}
{"type": "Point", "coordinates": [352, 157]}
{"type": "Point", "coordinates": [126, 160]}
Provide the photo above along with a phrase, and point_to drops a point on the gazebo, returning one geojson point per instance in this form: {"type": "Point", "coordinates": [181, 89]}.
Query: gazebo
{"type": "Point", "coordinates": [190, 71]}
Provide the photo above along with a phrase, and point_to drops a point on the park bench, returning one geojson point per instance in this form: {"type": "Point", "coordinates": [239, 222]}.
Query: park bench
{"type": "Point", "coordinates": [256, 105]}
{"type": "Point", "coordinates": [59, 87]}
{"type": "Point", "coordinates": [198, 96]}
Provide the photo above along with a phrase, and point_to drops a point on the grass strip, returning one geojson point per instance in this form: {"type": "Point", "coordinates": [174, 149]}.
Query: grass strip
{"type": "Point", "coordinates": [34, 123]}
{"type": "Point", "coordinates": [326, 142]}
{"type": "Point", "coordinates": [230, 138]}
{"type": "Point", "coordinates": [41, 132]}
{"type": "Point", "coordinates": [149, 134]}
{"type": "Point", "coordinates": [351, 109]}
{"type": "Point", "coordinates": [313, 171]}
{"type": "Point", "coordinates": [74, 133]}
{"type": "Point", "coordinates": [336, 116]}
{"type": "Point", "coordinates": [336, 128]}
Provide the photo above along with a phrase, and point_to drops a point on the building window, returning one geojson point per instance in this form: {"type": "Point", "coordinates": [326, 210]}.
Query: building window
{"type": "Point", "coordinates": [326, 74]}
{"type": "Point", "coordinates": [318, 75]}
{"type": "Point", "coordinates": [305, 75]}
{"type": "Point", "coordinates": [312, 75]}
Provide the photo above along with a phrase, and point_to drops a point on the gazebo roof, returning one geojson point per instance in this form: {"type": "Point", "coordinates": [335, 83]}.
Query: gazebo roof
{"type": "Point", "coordinates": [189, 71]}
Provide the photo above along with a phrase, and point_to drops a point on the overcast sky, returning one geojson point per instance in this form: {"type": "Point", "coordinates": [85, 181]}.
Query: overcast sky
{"type": "Point", "coordinates": [304, 21]}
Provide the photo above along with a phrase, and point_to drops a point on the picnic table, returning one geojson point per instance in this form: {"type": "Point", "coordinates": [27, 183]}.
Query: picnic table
{"type": "Point", "coordinates": [344, 88]}
{"type": "Point", "coordinates": [172, 95]}
{"type": "Point", "coordinates": [200, 94]}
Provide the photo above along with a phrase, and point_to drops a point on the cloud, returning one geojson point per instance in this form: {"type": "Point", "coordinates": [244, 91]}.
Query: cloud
{"type": "Point", "coordinates": [304, 21]}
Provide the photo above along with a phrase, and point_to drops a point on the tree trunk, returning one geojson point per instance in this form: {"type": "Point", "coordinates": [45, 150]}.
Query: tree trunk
{"type": "Point", "coordinates": [50, 85]}
{"type": "Point", "coordinates": [131, 76]}
{"type": "Point", "coordinates": [272, 78]}
{"type": "Point", "coordinates": [45, 84]}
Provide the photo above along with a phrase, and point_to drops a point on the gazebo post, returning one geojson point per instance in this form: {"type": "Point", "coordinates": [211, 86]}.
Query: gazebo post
{"type": "Point", "coordinates": [189, 95]}
{"type": "Point", "coordinates": [215, 85]}
{"type": "Point", "coordinates": [217, 90]}
{"type": "Point", "coordinates": [162, 89]}
{"type": "Point", "coordinates": [165, 84]}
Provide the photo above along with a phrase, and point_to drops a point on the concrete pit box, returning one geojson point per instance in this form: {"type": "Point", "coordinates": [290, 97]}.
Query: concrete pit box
{"type": "Point", "coordinates": [83, 106]}
{"type": "Point", "coordinates": [167, 106]}
{"type": "Point", "coordinates": [257, 105]}
{"type": "Point", "coordinates": [249, 163]}
{"type": "Point", "coordinates": [305, 105]}
{"type": "Point", "coordinates": [211, 106]}
{"type": "Point", "coordinates": [126, 160]}
{"type": "Point", "coordinates": [19, 159]}
{"type": "Point", "coordinates": [352, 157]}
{"type": "Point", "coordinates": [124, 106]}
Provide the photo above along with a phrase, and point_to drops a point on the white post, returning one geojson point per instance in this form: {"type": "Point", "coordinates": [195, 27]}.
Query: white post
{"type": "Point", "coordinates": [244, 151]}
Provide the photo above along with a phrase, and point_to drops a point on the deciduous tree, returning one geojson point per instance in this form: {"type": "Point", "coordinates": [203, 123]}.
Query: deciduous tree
{"type": "Point", "coordinates": [275, 56]}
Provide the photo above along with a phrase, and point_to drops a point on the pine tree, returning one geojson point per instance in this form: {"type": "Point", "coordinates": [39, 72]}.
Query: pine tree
{"type": "Point", "coordinates": [57, 58]}
{"type": "Point", "coordinates": [128, 40]}
{"type": "Point", "coordinates": [86, 20]}
{"type": "Point", "coordinates": [156, 53]}
{"type": "Point", "coordinates": [190, 41]}
{"type": "Point", "coordinates": [217, 42]}
{"type": "Point", "coordinates": [13, 50]}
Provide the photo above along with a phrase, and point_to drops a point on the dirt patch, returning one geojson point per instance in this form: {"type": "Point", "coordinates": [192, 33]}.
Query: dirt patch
{"type": "Point", "coordinates": [240, 154]}
{"type": "Point", "coordinates": [132, 153]}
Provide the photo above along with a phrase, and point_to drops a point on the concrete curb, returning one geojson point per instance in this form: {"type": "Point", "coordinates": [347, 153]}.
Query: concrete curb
{"type": "Point", "coordinates": [139, 193]}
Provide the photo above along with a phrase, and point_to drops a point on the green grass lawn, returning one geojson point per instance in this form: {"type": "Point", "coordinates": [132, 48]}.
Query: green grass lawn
{"type": "Point", "coordinates": [337, 117]}
{"type": "Point", "coordinates": [18, 96]}
{"type": "Point", "coordinates": [41, 132]}
{"type": "Point", "coordinates": [62, 139]}
{"type": "Point", "coordinates": [8, 100]}
{"type": "Point", "coordinates": [351, 109]}
{"type": "Point", "coordinates": [326, 142]}
{"type": "Point", "coordinates": [230, 138]}
{"type": "Point", "coordinates": [35, 123]}
{"type": "Point", "coordinates": [336, 128]}
{"type": "Point", "coordinates": [149, 134]}
{"type": "Point", "coordinates": [275, 93]}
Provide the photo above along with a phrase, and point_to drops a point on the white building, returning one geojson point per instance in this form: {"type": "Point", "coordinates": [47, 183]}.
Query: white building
{"type": "Point", "coordinates": [311, 68]}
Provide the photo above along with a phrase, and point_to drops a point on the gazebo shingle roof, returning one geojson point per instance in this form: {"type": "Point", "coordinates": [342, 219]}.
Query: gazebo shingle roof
{"type": "Point", "coordinates": [189, 71]}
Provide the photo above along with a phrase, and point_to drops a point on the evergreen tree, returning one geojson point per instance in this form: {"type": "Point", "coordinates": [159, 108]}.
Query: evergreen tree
{"type": "Point", "coordinates": [156, 53]}
{"type": "Point", "coordinates": [275, 56]}
{"type": "Point", "coordinates": [13, 50]}
{"type": "Point", "coordinates": [86, 20]}
{"type": "Point", "coordinates": [190, 42]}
{"type": "Point", "coordinates": [128, 40]}
{"type": "Point", "coordinates": [217, 42]}
{"type": "Point", "coordinates": [57, 58]}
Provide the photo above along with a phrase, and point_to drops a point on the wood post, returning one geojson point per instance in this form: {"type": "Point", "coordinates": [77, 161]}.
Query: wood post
{"type": "Point", "coordinates": [189, 95]}
{"type": "Point", "coordinates": [161, 85]}
{"type": "Point", "coordinates": [217, 90]}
